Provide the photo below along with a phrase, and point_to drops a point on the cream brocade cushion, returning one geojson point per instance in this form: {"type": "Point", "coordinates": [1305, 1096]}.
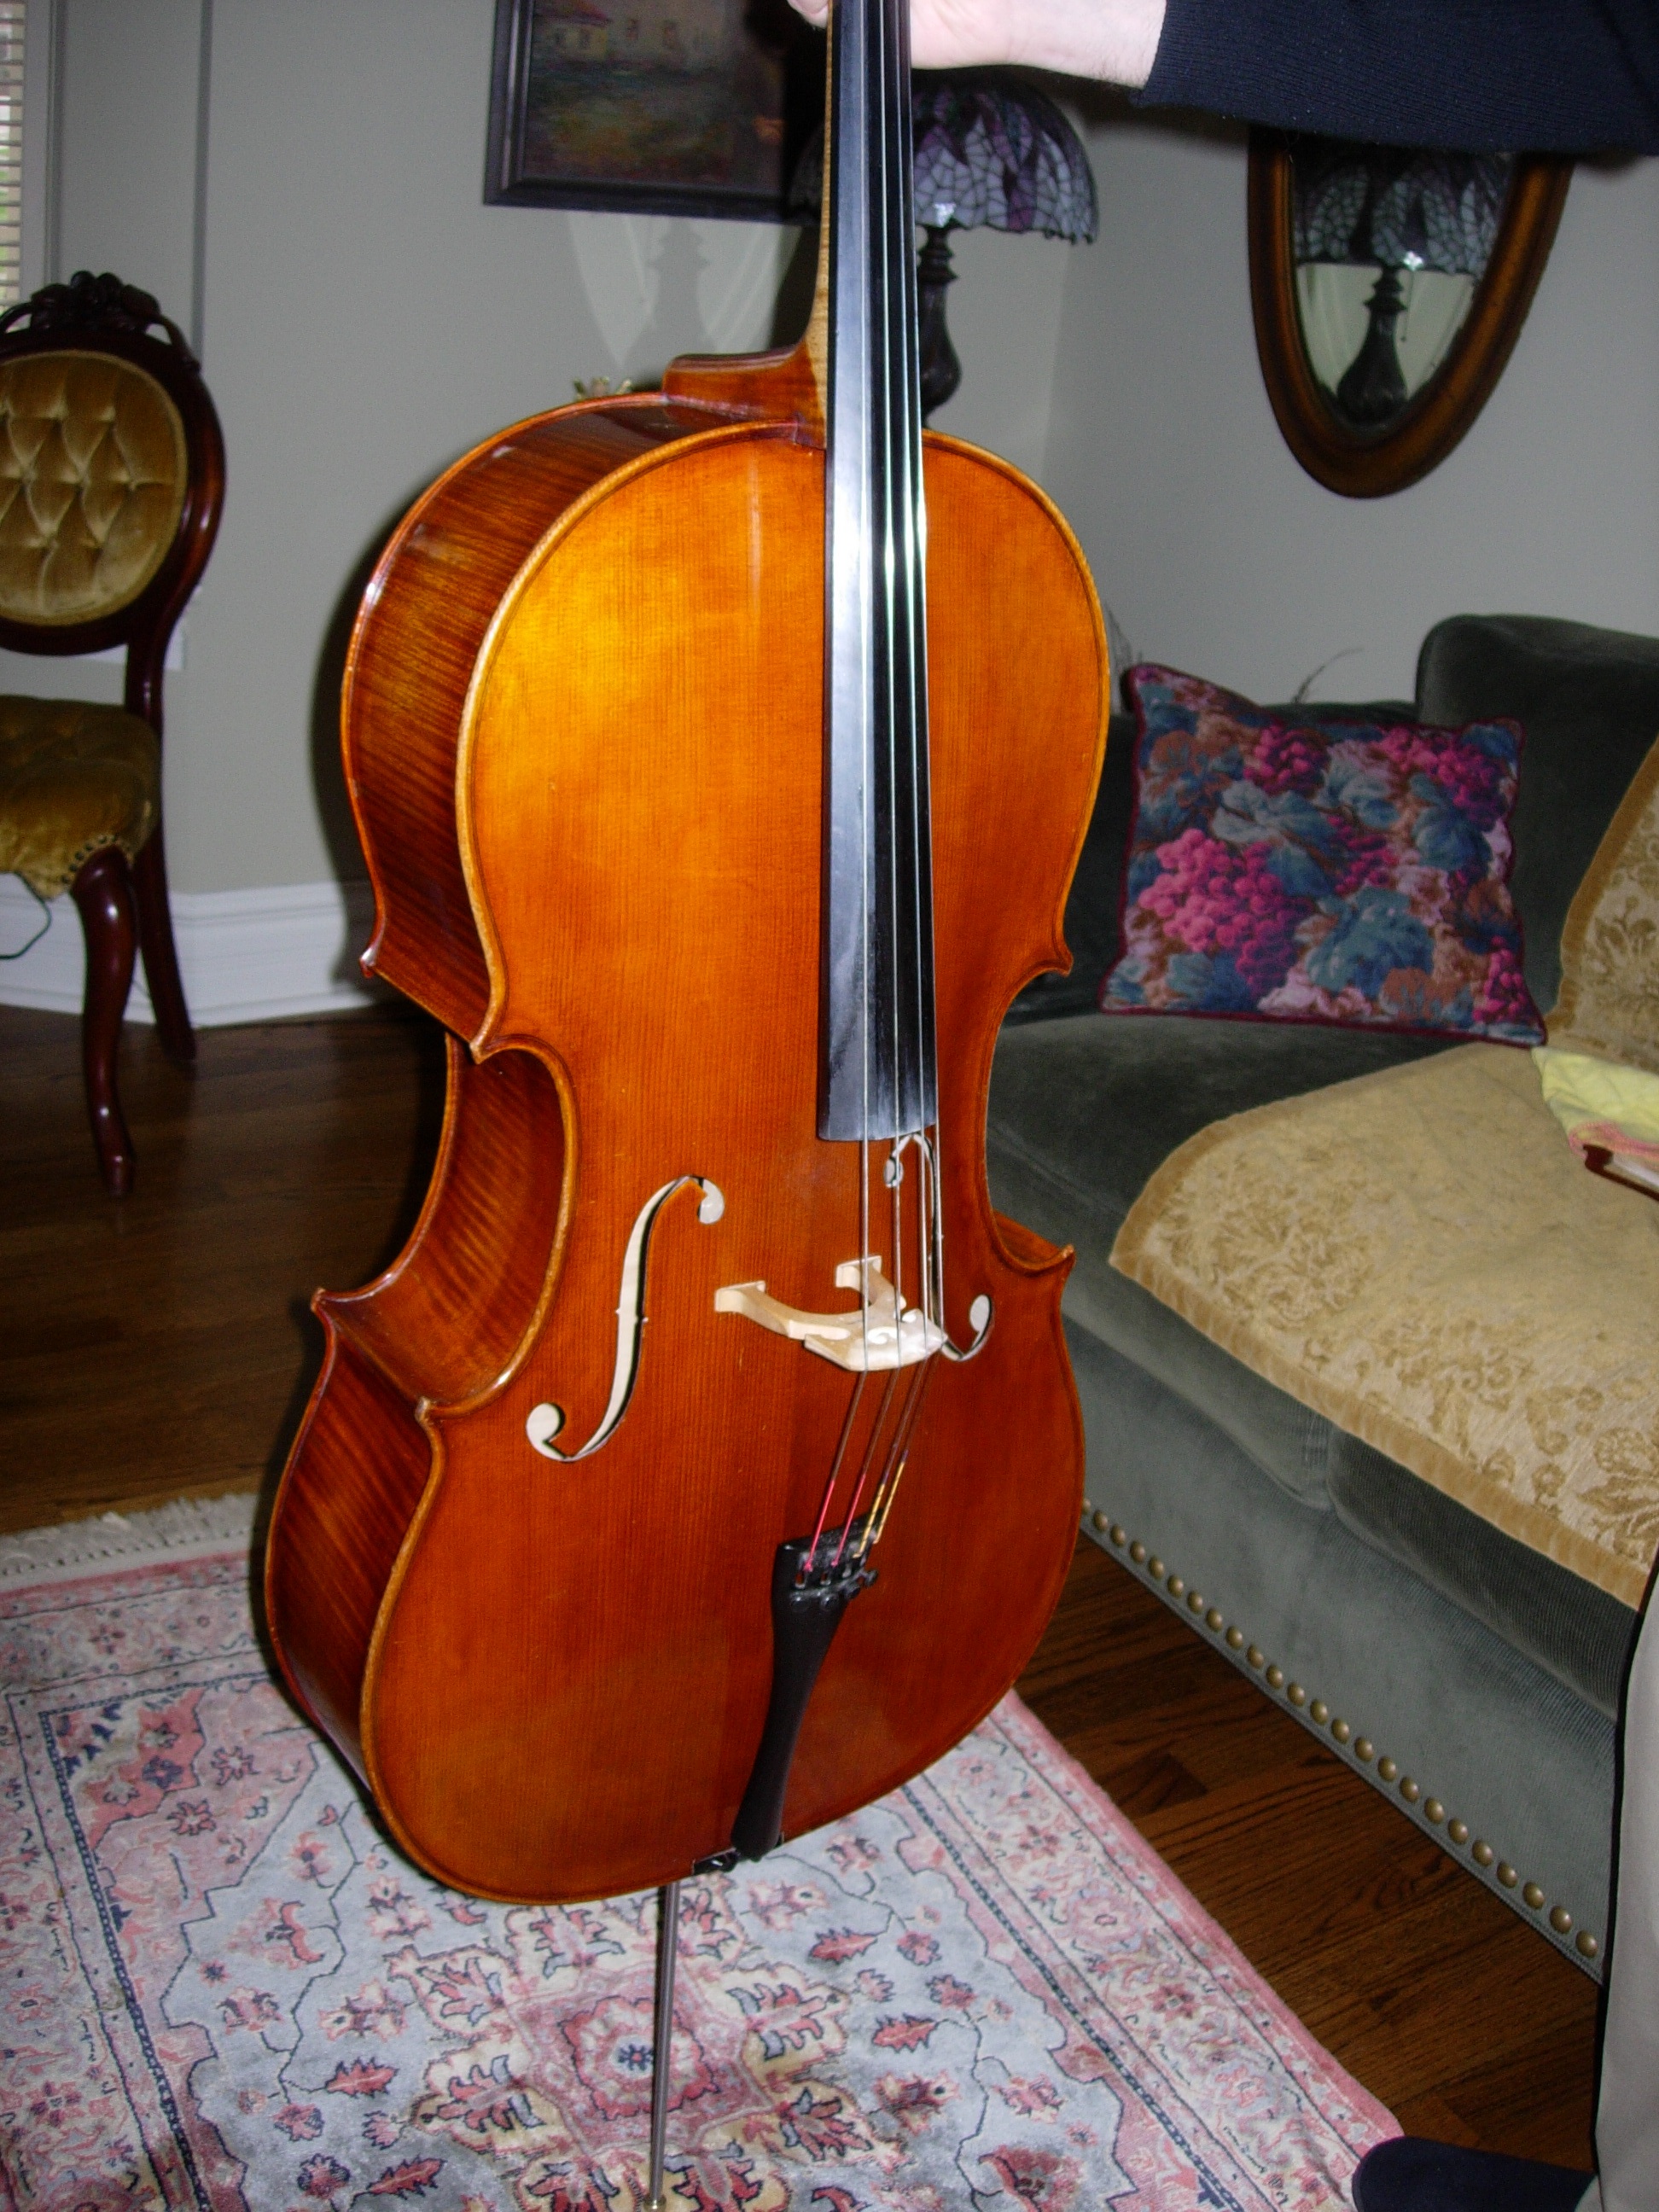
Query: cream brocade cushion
{"type": "Point", "coordinates": [1421, 1256]}
{"type": "Point", "coordinates": [1609, 999]}
{"type": "Point", "coordinates": [92, 474]}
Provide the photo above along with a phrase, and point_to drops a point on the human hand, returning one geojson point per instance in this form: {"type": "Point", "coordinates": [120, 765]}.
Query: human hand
{"type": "Point", "coordinates": [1116, 40]}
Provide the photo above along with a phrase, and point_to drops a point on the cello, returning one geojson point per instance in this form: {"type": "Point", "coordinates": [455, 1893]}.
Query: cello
{"type": "Point", "coordinates": [721, 756]}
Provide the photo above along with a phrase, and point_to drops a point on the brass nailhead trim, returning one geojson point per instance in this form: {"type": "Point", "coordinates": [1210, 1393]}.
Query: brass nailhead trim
{"type": "Point", "coordinates": [1457, 1832]}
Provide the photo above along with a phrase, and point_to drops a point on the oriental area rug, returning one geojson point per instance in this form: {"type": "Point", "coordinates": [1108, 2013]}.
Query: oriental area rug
{"type": "Point", "coordinates": [222, 1989]}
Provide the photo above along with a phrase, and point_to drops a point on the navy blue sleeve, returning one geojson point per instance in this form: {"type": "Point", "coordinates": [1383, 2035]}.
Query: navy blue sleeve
{"type": "Point", "coordinates": [1539, 75]}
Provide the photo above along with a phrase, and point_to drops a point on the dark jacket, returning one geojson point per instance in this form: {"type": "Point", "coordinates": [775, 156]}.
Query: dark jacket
{"type": "Point", "coordinates": [1563, 76]}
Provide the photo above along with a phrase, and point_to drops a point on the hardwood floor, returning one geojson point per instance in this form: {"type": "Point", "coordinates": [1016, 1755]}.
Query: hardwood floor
{"type": "Point", "coordinates": [162, 1347]}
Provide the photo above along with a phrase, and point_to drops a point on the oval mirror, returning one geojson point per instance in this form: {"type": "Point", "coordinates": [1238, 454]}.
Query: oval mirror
{"type": "Point", "coordinates": [1389, 287]}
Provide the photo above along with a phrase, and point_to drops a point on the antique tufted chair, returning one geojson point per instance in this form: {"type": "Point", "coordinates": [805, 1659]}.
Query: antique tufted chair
{"type": "Point", "coordinates": [111, 477]}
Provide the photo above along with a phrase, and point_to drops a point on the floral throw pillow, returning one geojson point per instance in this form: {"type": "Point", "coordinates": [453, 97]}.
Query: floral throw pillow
{"type": "Point", "coordinates": [1354, 872]}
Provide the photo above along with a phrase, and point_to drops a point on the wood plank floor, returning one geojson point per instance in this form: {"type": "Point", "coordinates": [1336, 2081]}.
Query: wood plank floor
{"type": "Point", "coordinates": [163, 1346]}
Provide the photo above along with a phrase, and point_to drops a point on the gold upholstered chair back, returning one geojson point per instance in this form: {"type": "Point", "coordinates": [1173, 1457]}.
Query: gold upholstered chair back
{"type": "Point", "coordinates": [94, 472]}
{"type": "Point", "coordinates": [112, 479]}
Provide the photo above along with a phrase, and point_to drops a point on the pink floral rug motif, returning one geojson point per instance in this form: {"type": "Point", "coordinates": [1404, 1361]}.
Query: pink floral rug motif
{"type": "Point", "coordinates": [221, 1989]}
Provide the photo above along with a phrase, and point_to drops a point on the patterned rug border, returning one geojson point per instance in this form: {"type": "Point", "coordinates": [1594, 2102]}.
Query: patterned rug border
{"type": "Point", "coordinates": [1230, 1965]}
{"type": "Point", "coordinates": [185, 1527]}
{"type": "Point", "coordinates": [187, 1540]}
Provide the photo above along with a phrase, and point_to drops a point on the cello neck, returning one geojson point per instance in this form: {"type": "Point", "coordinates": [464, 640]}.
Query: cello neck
{"type": "Point", "coordinates": [878, 1060]}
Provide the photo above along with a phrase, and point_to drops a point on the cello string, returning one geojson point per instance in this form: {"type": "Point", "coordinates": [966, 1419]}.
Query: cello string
{"type": "Point", "coordinates": [898, 1459]}
{"type": "Point", "coordinates": [907, 413]}
{"type": "Point", "coordinates": [892, 492]}
{"type": "Point", "coordinates": [895, 125]}
{"type": "Point", "coordinates": [897, 704]}
{"type": "Point", "coordinates": [865, 461]}
{"type": "Point", "coordinates": [834, 1472]}
{"type": "Point", "coordinates": [882, 1413]}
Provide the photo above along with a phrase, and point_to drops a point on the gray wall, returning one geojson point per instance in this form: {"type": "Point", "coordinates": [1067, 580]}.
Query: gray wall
{"type": "Point", "coordinates": [1218, 554]}
{"type": "Point", "coordinates": [299, 181]}
{"type": "Point", "coordinates": [312, 208]}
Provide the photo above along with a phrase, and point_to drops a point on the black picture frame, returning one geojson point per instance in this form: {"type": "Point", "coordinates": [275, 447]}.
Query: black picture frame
{"type": "Point", "coordinates": [689, 107]}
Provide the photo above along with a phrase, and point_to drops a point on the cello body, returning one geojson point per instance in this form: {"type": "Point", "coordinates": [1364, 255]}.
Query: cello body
{"type": "Point", "coordinates": [583, 726]}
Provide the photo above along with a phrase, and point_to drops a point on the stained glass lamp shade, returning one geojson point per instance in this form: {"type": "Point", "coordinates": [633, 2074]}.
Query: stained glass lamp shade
{"type": "Point", "coordinates": [1401, 213]}
{"type": "Point", "coordinates": [992, 152]}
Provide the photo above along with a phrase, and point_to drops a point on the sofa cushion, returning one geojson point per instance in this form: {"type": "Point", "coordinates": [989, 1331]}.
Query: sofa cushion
{"type": "Point", "coordinates": [1609, 1003]}
{"type": "Point", "coordinates": [1354, 873]}
{"type": "Point", "coordinates": [1418, 1257]}
{"type": "Point", "coordinates": [1588, 700]}
{"type": "Point", "coordinates": [1082, 1112]}
{"type": "Point", "coordinates": [1049, 1168]}
{"type": "Point", "coordinates": [1093, 910]}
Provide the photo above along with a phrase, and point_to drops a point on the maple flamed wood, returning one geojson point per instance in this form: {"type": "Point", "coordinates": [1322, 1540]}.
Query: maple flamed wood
{"type": "Point", "coordinates": [583, 729]}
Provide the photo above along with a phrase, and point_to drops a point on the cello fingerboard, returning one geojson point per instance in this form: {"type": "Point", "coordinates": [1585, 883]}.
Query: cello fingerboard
{"type": "Point", "coordinates": [879, 1075]}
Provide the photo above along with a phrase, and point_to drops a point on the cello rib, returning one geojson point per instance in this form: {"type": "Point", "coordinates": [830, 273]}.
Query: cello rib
{"type": "Point", "coordinates": [445, 1320]}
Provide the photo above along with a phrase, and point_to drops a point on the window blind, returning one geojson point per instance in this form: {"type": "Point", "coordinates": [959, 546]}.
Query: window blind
{"type": "Point", "coordinates": [12, 13]}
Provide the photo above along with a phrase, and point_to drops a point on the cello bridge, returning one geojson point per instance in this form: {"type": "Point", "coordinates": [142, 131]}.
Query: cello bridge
{"type": "Point", "coordinates": [878, 1334]}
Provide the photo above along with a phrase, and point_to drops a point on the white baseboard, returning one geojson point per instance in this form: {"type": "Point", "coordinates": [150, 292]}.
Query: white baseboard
{"type": "Point", "coordinates": [245, 956]}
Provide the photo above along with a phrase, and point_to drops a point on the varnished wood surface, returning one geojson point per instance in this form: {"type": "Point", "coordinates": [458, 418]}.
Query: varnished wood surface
{"type": "Point", "coordinates": [638, 810]}
{"type": "Point", "coordinates": [161, 1346]}
{"type": "Point", "coordinates": [433, 595]}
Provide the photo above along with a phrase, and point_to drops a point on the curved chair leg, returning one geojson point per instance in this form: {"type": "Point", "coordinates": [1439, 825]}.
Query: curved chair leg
{"type": "Point", "coordinates": [103, 891]}
{"type": "Point", "coordinates": [166, 990]}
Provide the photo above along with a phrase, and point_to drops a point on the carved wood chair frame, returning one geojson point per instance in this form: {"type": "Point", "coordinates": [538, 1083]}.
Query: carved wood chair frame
{"type": "Point", "coordinates": [123, 907]}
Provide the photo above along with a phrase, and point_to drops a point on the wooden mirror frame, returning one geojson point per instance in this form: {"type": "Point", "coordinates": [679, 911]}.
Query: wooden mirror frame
{"type": "Point", "coordinates": [1363, 465]}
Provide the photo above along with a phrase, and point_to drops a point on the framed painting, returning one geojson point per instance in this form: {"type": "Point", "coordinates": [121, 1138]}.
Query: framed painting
{"type": "Point", "coordinates": [695, 107]}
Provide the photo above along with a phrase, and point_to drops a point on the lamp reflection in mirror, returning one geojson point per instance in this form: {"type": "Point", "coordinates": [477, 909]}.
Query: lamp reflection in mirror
{"type": "Point", "coordinates": [1389, 245]}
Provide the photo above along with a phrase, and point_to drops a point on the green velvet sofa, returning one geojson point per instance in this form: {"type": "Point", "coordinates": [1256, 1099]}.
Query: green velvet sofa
{"type": "Point", "coordinates": [1474, 1679]}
